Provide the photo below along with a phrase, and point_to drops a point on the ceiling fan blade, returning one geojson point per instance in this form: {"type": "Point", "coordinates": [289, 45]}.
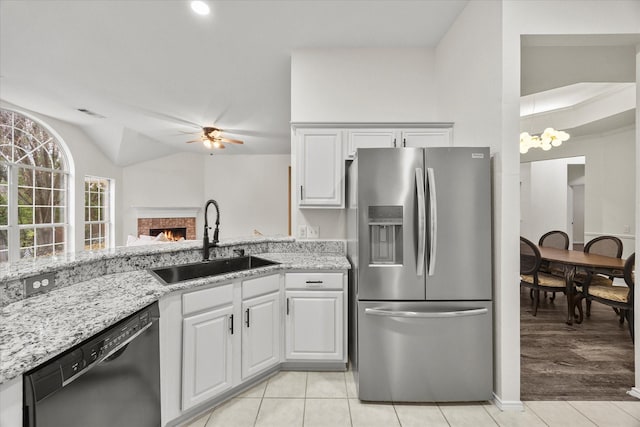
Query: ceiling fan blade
{"type": "Point", "coordinates": [195, 140]}
{"type": "Point", "coordinates": [233, 141]}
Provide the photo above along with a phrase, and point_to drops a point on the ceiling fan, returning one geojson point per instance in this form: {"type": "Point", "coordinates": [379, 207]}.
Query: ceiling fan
{"type": "Point", "coordinates": [212, 137]}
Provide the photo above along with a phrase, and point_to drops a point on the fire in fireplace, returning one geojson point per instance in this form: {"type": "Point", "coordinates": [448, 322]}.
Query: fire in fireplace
{"type": "Point", "coordinates": [173, 233]}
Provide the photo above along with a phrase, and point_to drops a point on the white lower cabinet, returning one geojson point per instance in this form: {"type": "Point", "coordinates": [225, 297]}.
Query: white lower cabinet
{"type": "Point", "coordinates": [314, 325]}
{"type": "Point", "coordinates": [233, 332]}
{"type": "Point", "coordinates": [260, 334]}
{"type": "Point", "coordinates": [207, 366]}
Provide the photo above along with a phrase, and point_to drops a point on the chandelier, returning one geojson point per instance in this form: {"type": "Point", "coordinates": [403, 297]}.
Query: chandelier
{"type": "Point", "coordinates": [549, 138]}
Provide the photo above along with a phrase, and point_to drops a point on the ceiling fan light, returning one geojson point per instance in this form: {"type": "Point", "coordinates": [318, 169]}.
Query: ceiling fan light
{"type": "Point", "coordinates": [207, 143]}
{"type": "Point", "coordinates": [200, 7]}
{"type": "Point", "coordinates": [216, 144]}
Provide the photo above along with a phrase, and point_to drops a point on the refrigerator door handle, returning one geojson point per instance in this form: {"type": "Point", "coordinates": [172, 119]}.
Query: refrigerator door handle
{"type": "Point", "coordinates": [425, 314]}
{"type": "Point", "coordinates": [433, 221]}
{"type": "Point", "coordinates": [422, 235]}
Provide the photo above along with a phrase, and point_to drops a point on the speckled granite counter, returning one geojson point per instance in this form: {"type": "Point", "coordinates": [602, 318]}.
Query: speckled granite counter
{"type": "Point", "coordinates": [36, 329]}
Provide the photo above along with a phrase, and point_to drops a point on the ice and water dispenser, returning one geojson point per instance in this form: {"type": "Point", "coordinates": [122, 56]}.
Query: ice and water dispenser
{"type": "Point", "coordinates": [385, 235]}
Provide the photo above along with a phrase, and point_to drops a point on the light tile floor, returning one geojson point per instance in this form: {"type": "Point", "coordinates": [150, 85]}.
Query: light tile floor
{"type": "Point", "coordinates": [328, 399]}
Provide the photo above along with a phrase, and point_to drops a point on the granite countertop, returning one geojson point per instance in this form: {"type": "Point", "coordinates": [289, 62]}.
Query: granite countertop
{"type": "Point", "coordinates": [36, 329]}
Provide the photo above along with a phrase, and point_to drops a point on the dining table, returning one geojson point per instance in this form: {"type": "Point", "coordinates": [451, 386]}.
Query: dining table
{"type": "Point", "coordinates": [572, 260]}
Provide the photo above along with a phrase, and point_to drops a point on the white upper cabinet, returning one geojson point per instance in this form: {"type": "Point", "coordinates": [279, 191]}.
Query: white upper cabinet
{"type": "Point", "coordinates": [433, 137]}
{"type": "Point", "coordinates": [320, 168]}
{"type": "Point", "coordinates": [369, 138]}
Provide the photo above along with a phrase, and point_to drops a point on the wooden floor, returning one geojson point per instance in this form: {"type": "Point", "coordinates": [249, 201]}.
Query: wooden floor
{"type": "Point", "coordinates": [589, 361]}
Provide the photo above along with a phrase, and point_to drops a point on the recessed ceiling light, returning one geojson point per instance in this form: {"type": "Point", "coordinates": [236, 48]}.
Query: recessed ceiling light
{"type": "Point", "coordinates": [200, 7]}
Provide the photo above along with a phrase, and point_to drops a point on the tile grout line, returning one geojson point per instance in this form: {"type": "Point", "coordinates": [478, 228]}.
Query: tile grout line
{"type": "Point", "coordinates": [625, 411]}
{"type": "Point", "coordinates": [582, 413]}
{"type": "Point", "coordinates": [346, 389]}
{"type": "Point", "coordinates": [255, 420]}
{"type": "Point", "coordinates": [524, 405]}
{"type": "Point", "coordinates": [443, 414]}
{"type": "Point", "coordinates": [304, 403]}
{"type": "Point", "coordinates": [490, 416]}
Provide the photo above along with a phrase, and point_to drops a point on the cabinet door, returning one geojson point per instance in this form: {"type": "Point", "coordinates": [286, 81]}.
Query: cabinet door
{"type": "Point", "coordinates": [436, 137]}
{"type": "Point", "coordinates": [260, 334]}
{"type": "Point", "coordinates": [207, 352]}
{"type": "Point", "coordinates": [369, 138]}
{"type": "Point", "coordinates": [320, 168]}
{"type": "Point", "coordinates": [314, 325]}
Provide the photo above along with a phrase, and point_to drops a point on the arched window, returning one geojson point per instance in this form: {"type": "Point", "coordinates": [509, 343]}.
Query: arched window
{"type": "Point", "coordinates": [34, 177]}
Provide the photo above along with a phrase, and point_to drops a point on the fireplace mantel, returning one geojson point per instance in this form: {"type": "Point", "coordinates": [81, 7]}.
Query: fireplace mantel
{"type": "Point", "coordinates": [166, 212]}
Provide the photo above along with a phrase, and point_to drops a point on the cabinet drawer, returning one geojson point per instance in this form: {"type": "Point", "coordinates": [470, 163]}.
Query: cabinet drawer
{"type": "Point", "coordinates": [193, 302]}
{"type": "Point", "coordinates": [314, 281]}
{"type": "Point", "coordinates": [260, 286]}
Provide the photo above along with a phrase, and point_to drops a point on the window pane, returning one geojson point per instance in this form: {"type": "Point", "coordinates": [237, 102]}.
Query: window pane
{"type": "Point", "coordinates": [44, 250]}
{"type": "Point", "coordinates": [58, 215]}
{"type": "Point", "coordinates": [44, 236]}
{"type": "Point", "coordinates": [25, 177]}
{"type": "Point", "coordinates": [58, 181]}
{"type": "Point", "coordinates": [4, 174]}
{"type": "Point", "coordinates": [25, 215]}
{"type": "Point", "coordinates": [27, 237]}
{"type": "Point", "coordinates": [25, 196]}
{"type": "Point", "coordinates": [59, 235]}
{"type": "Point", "coordinates": [4, 240]}
{"type": "Point", "coordinates": [42, 197]}
{"type": "Point", "coordinates": [58, 198]}
{"type": "Point", "coordinates": [43, 215]}
{"type": "Point", "coordinates": [59, 249]}
{"type": "Point", "coordinates": [43, 179]}
{"type": "Point", "coordinates": [4, 215]}
{"type": "Point", "coordinates": [27, 252]}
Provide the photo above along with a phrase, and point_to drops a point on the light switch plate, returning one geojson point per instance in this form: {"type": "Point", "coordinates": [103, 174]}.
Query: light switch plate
{"type": "Point", "coordinates": [302, 231]}
{"type": "Point", "coordinates": [39, 283]}
{"type": "Point", "coordinates": [313, 232]}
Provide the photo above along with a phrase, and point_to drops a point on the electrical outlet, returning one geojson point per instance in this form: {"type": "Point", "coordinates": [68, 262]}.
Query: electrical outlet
{"type": "Point", "coordinates": [627, 229]}
{"type": "Point", "coordinates": [302, 231]}
{"type": "Point", "coordinates": [39, 283]}
{"type": "Point", "coordinates": [313, 232]}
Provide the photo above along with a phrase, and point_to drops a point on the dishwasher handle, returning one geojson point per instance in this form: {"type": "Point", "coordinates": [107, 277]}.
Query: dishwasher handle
{"type": "Point", "coordinates": [425, 314]}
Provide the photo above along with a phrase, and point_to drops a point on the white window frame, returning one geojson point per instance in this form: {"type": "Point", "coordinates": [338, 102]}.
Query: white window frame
{"type": "Point", "coordinates": [13, 227]}
{"type": "Point", "coordinates": [108, 214]}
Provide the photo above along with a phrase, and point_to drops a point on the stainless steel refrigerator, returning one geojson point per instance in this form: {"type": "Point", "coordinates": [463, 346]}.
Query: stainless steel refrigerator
{"type": "Point", "coordinates": [419, 240]}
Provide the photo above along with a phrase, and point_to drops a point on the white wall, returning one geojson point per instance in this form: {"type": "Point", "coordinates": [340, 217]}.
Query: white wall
{"type": "Point", "coordinates": [363, 85]}
{"type": "Point", "coordinates": [174, 181]}
{"type": "Point", "coordinates": [609, 182]}
{"type": "Point", "coordinates": [87, 160]}
{"type": "Point", "coordinates": [544, 197]}
{"type": "Point", "coordinates": [252, 192]}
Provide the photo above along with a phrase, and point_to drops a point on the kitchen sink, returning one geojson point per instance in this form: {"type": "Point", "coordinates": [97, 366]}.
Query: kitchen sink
{"type": "Point", "coordinates": [180, 273]}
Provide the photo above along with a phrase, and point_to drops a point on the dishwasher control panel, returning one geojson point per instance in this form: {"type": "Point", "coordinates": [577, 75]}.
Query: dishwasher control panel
{"type": "Point", "coordinates": [55, 374]}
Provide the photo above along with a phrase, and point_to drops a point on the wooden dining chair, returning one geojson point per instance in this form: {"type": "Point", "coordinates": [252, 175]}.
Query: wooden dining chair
{"type": "Point", "coordinates": [553, 239]}
{"type": "Point", "coordinates": [531, 277]}
{"type": "Point", "coordinates": [610, 246]}
{"type": "Point", "coordinates": [618, 297]}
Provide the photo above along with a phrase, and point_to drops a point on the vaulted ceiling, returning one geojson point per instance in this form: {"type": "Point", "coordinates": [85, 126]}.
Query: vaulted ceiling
{"type": "Point", "coordinates": [152, 71]}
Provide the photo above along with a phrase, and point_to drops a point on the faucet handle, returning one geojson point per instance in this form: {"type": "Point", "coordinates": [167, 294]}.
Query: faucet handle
{"type": "Point", "coordinates": [239, 252]}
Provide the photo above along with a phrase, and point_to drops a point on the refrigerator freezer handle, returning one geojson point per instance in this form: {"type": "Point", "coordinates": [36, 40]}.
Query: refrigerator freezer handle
{"type": "Point", "coordinates": [433, 221]}
{"type": "Point", "coordinates": [422, 231]}
{"type": "Point", "coordinates": [425, 314]}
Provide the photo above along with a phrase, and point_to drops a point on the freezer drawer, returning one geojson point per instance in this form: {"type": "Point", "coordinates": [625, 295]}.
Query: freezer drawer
{"type": "Point", "coordinates": [425, 351]}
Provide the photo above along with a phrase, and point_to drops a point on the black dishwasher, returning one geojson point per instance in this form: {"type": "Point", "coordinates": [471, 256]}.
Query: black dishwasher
{"type": "Point", "coordinates": [111, 379]}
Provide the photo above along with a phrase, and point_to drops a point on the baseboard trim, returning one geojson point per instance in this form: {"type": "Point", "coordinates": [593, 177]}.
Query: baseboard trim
{"type": "Point", "coordinates": [508, 405]}
{"type": "Point", "coordinates": [634, 392]}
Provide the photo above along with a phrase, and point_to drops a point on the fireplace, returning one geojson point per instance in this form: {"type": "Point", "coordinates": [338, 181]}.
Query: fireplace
{"type": "Point", "coordinates": [173, 228]}
{"type": "Point", "coordinates": [171, 233]}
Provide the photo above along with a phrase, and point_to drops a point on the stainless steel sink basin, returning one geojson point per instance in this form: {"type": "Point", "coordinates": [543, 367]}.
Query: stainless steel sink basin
{"type": "Point", "coordinates": [180, 273]}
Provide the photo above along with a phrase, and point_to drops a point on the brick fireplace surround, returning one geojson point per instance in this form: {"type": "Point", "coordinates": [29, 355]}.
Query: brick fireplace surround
{"type": "Point", "coordinates": [146, 224]}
